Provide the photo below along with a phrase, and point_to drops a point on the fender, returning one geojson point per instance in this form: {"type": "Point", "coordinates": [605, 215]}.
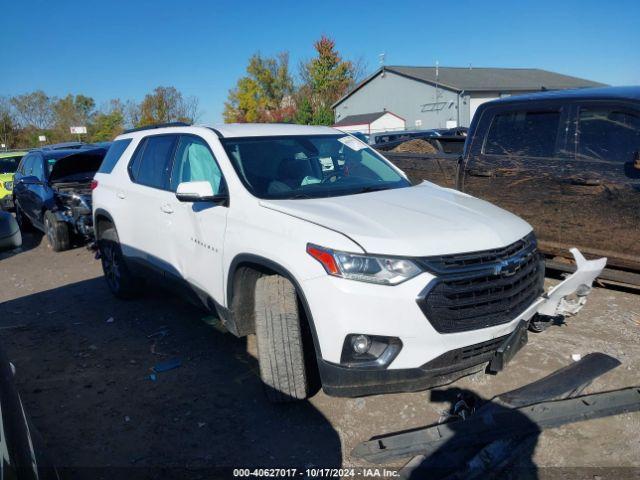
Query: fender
{"type": "Point", "coordinates": [280, 270]}
{"type": "Point", "coordinates": [102, 212]}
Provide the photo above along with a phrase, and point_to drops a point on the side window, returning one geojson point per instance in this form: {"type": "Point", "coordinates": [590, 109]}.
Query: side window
{"type": "Point", "coordinates": [195, 162]}
{"type": "Point", "coordinates": [114, 153]}
{"type": "Point", "coordinates": [152, 163]}
{"type": "Point", "coordinates": [37, 170]}
{"type": "Point", "coordinates": [523, 134]}
{"type": "Point", "coordinates": [26, 165]}
{"type": "Point", "coordinates": [608, 133]}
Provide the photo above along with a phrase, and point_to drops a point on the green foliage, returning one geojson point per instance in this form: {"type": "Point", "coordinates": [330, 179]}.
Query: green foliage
{"type": "Point", "coordinates": [267, 92]}
{"type": "Point", "coordinates": [71, 111]}
{"type": "Point", "coordinates": [327, 75]}
{"type": "Point", "coordinates": [264, 94]}
{"type": "Point", "coordinates": [323, 116]}
{"type": "Point", "coordinates": [166, 104]}
{"type": "Point", "coordinates": [304, 114]}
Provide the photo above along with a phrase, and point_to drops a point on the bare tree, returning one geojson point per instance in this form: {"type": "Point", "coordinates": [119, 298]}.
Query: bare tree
{"type": "Point", "coordinates": [34, 109]}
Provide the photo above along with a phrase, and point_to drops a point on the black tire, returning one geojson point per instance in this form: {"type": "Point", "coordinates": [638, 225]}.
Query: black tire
{"type": "Point", "coordinates": [23, 222]}
{"type": "Point", "coordinates": [279, 340]}
{"type": "Point", "coordinates": [57, 233]}
{"type": "Point", "coordinates": [119, 279]}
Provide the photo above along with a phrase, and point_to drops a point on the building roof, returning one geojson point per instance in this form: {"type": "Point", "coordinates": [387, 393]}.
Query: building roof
{"type": "Point", "coordinates": [362, 119]}
{"type": "Point", "coordinates": [484, 79]}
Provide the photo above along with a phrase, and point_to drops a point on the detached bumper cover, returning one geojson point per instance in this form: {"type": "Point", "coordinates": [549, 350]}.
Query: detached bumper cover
{"type": "Point", "coordinates": [352, 382]}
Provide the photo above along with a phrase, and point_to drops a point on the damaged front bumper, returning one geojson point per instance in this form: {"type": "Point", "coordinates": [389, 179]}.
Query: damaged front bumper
{"type": "Point", "coordinates": [75, 210]}
{"type": "Point", "coordinates": [566, 298]}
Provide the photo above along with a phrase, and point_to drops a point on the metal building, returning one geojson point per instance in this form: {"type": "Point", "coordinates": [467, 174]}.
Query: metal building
{"type": "Point", "coordinates": [444, 97]}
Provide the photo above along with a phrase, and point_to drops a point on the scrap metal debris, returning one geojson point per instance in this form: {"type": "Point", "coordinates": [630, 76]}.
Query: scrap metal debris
{"type": "Point", "coordinates": [483, 439]}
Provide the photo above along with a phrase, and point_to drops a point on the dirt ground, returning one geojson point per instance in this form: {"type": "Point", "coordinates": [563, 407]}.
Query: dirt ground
{"type": "Point", "coordinates": [83, 362]}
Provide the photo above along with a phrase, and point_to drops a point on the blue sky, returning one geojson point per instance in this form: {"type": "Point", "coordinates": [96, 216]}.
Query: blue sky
{"type": "Point", "coordinates": [124, 49]}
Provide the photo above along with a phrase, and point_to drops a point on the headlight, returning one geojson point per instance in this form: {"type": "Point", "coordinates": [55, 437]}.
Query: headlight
{"type": "Point", "coordinates": [8, 185]}
{"type": "Point", "coordinates": [364, 268]}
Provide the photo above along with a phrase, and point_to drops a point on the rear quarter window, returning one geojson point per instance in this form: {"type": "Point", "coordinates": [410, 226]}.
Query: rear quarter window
{"type": "Point", "coordinates": [523, 133]}
{"type": "Point", "coordinates": [114, 153]}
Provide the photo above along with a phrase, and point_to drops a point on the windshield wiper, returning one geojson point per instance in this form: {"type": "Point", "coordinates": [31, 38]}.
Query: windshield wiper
{"type": "Point", "coordinates": [374, 188]}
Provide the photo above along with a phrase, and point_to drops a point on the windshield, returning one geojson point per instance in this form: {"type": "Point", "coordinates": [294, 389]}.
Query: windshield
{"type": "Point", "coordinates": [310, 166]}
{"type": "Point", "coordinates": [10, 164]}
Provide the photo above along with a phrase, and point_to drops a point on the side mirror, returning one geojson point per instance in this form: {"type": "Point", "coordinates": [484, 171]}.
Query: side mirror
{"type": "Point", "coordinates": [30, 180]}
{"type": "Point", "coordinates": [200, 191]}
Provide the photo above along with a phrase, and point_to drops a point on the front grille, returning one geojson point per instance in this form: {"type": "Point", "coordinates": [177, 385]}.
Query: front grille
{"type": "Point", "coordinates": [482, 289]}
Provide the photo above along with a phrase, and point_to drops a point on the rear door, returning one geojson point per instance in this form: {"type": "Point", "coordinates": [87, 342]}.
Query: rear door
{"type": "Point", "coordinates": [516, 160]}
{"type": "Point", "coordinates": [147, 199]}
{"type": "Point", "coordinates": [603, 182]}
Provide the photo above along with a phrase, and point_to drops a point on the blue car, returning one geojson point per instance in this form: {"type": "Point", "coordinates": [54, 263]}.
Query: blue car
{"type": "Point", "coordinates": [52, 192]}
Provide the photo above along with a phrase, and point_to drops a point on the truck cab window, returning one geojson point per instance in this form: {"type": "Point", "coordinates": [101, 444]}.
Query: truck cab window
{"type": "Point", "coordinates": [523, 134]}
{"type": "Point", "coordinates": [608, 133]}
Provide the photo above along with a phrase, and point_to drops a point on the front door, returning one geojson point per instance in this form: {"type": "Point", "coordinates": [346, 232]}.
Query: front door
{"type": "Point", "coordinates": [198, 228]}
{"type": "Point", "coordinates": [516, 159]}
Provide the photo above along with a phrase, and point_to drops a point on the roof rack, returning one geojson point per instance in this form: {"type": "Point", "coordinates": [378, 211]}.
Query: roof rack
{"type": "Point", "coordinates": [158, 125]}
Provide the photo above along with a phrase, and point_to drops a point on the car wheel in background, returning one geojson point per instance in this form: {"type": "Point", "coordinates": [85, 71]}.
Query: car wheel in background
{"type": "Point", "coordinates": [279, 340]}
{"type": "Point", "coordinates": [119, 279]}
{"type": "Point", "coordinates": [57, 233]}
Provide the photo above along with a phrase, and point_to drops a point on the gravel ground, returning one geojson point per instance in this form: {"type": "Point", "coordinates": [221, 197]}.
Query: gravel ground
{"type": "Point", "coordinates": [83, 363]}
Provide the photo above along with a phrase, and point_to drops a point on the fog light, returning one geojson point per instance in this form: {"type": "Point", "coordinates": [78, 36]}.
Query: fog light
{"type": "Point", "coordinates": [361, 344]}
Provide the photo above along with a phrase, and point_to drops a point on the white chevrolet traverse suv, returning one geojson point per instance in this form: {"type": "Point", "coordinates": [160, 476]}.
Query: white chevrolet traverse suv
{"type": "Point", "coordinates": [314, 242]}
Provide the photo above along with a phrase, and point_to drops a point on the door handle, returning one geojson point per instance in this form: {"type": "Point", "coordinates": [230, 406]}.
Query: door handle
{"type": "Point", "coordinates": [166, 208]}
{"type": "Point", "coordinates": [121, 195]}
{"type": "Point", "coordinates": [586, 182]}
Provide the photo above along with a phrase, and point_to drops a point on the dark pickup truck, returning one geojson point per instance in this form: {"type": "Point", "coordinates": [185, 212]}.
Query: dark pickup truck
{"type": "Point", "coordinates": [566, 161]}
{"type": "Point", "coordinates": [569, 163]}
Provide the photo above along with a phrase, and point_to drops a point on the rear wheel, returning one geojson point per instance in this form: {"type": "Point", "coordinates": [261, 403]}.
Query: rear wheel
{"type": "Point", "coordinates": [119, 279]}
{"type": "Point", "coordinates": [57, 233]}
{"type": "Point", "coordinates": [279, 339]}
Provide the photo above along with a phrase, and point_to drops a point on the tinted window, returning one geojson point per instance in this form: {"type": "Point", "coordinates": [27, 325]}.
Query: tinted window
{"type": "Point", "coordinates": [113, 155]}
{"type": "Point", "coordinates": [608, 133]}
{"type": "Point", "coordinates": [9, 164]}
{"type": "Point", "coordinates": [195, 162]}
{"type": "Point", "coordinates": [151, 168]}
{"type": "Point", "coordinates": [523, 133]}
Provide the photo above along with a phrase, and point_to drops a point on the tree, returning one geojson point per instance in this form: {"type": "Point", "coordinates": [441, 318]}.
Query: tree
{"type": "Point", "coordinates": [166, 104]}
{"type": "Point", "coordinates": [71, 111]}
{"type": "Point", "coordinates": [34, 109]}
{"type": "Point", "coordinates": [107, 123]}
{"type": "Point", "coordinates": [304, 114]}
{"type": "Point", "coordinates": [328, 77]}
{"type": "Point", "coordinates": [265, 94]}
{"type": "Point", "coordinates": [8, 125]}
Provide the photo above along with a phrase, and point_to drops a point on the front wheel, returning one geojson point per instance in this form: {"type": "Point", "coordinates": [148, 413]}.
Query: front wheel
{"type": "Point", "coordinates": [279, 339]}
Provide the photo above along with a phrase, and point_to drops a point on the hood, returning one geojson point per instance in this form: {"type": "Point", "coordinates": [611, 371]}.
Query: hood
{"type": "Point", "coordinates": [416, 221]}
{"type": "Point", "coordinates": [77, 166]}
{"type": "Point", "coordinates": [6, 177]}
